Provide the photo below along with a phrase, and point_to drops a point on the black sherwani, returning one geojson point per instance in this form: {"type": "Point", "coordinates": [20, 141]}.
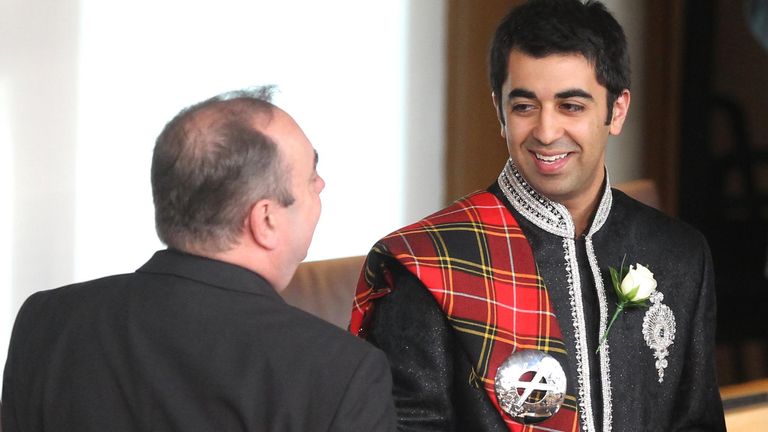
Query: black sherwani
{"type": "Point", "coordinates": [187, 344]}
{"type": "Point", "coordinates": [620, 388]}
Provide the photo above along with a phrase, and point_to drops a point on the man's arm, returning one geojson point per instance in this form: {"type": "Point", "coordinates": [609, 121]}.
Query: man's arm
{"type": "Point", "coordinates": [13, 394]}
{"type": "Point", "coordinates": [411, 329]}
{"type": "Point", "coordinates": [698, 402]}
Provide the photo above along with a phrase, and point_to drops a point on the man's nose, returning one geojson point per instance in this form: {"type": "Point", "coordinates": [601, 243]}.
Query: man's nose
{"type": "Point", "coordinates": [548, 129]}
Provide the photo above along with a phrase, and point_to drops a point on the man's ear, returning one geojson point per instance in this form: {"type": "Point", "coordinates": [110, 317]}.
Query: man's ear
{"type": "Point", "coordinates": [620, 109]}
{"type": "Point", "coordinates": [262, 223]}
{"type": "Point", "coordinates": [499, 115]}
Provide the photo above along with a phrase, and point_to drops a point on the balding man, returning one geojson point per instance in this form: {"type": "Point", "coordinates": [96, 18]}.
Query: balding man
{"type": "Point", "coordinates": [198, 338]}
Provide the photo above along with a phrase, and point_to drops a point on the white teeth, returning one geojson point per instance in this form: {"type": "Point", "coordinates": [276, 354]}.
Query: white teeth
{"type": "Point", "coordinates": [550, 158]}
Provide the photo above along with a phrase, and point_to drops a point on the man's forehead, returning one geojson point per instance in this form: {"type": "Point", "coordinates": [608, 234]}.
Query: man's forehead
{"type": "Point", "coordinates": [559, 72]}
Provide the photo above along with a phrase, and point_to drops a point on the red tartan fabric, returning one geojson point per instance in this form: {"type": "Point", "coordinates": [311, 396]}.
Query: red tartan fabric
{"type": "Point", "coordinates": [476, 262]}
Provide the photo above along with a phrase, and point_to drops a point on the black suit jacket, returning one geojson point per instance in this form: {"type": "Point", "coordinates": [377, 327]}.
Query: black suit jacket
{"type": "Point", "coordinates": [432, 386]}
{"type": "Point", "coordinates": [187, 344]}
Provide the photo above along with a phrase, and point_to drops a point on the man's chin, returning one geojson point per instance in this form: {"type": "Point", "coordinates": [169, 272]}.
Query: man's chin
{"type": "Point", "coordinates": [552, 189]}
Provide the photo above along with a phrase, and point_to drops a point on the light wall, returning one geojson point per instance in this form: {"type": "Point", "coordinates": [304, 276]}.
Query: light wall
{"type": "Point", "coordinates": [625, 152]}
{"type": "Point", "coordinates": [38, 88]}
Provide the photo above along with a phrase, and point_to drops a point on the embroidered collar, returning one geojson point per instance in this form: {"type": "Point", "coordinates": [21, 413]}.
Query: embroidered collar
{"type": "Point", "coordinates": [546, 214]}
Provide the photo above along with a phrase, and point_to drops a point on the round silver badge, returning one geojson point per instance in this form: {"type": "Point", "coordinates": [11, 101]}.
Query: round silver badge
{"type": "Point", "coordinates": [530, 386]}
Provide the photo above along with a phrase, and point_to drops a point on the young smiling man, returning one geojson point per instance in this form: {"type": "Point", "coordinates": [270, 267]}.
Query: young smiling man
{"type": "Point", "coordinates": [494, 312]}
{"type": "Point", "coordinates": [556, 123]}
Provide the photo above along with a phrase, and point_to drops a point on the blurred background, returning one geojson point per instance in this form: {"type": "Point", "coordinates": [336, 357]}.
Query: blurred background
{"type": "Point", "coordinates": [395, 97]}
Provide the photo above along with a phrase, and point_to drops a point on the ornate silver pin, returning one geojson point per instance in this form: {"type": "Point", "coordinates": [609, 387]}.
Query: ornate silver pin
{"type": "Point", "coordinates": [530, 386]}
{"type": "Point", "coordinates": [659, 331]}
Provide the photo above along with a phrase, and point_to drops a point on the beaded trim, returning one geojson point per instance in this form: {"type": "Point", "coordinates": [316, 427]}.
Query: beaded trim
{"type": "Point", "coordinates": [554, 218]}
{"type": "Point", "coordinates": [548, 215]}
{"type": "Point", "coordinates": [605, 359]}
{"type": "Point", "coordinates": [580, 337]}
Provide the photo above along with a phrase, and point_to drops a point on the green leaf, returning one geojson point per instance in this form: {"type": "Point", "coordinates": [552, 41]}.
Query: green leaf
{"type": "Point", "coordinates": [632, 293]}
{"type": "Point", "coordinates": [639, 303]}
{"type": "Point", "coordinates": [624, 270]}
{"type": "Point", "coordinates": [616, 280]}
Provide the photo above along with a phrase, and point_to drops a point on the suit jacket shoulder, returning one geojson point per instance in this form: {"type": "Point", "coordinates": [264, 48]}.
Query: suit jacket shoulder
{"type": "Point", "coordinates": [186, 343]}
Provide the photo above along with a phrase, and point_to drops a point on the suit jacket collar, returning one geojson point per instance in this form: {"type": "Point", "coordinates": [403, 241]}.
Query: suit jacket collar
{"type": "Point", "coordinates": [208, 271]}
{"type": "Point", "coordinates": [548, 215]}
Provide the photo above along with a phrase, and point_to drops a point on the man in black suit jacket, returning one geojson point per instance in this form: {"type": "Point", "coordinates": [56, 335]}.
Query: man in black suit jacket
{"type": "Point", "coordinates": [198, 338]}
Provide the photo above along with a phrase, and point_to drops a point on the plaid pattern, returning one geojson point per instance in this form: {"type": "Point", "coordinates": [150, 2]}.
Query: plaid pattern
{"type": "Point", "coordinates": [476, 262]}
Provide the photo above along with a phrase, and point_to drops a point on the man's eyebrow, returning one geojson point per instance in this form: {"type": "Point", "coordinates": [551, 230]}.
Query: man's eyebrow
{"type": "Point", "coordinates": [521, 93]}
{"type": "Point", "coordinates": [573, 93]}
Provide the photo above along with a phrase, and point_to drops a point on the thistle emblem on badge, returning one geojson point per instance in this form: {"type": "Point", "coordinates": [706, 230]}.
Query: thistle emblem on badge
{"type": "Point", "coordinates": [659, 331]}
{"type": "Point", "coordinates": [530, 386]}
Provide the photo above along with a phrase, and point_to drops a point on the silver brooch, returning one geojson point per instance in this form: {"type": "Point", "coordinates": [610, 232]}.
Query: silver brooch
{"type": "Point", "coordinates": [659, 331]}
{"type": "Point", "coordinates": [530, 386]}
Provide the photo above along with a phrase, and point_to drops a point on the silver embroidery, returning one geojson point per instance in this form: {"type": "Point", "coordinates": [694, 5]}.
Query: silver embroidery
{"type": "Point", "coordinates": [605, 359]}
{"type": "Point", "coordinates": [555, 219]}
{"type": "Point", "coordinates": [580, 337]}
{"type": "Point", "coordinates": [603, 210]}
{"type": "Point", "coordinates": [548, 215]}
{"type": "Point", "coordinates": [659, 331]}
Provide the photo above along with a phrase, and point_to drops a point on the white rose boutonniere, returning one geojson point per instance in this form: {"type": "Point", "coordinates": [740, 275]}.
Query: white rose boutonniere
{"type": "Point", "coordinates": [637, 284]}
{"type": "Point", "coordinates": [633, 286]}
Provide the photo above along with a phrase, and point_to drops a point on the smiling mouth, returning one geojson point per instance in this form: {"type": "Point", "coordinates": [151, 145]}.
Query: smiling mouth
{"type": "Point", "coordinates": [550, 159]}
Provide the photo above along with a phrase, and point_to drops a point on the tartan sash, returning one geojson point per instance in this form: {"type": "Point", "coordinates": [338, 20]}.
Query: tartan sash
{"type": "Point", "coordinates": [476, 262]}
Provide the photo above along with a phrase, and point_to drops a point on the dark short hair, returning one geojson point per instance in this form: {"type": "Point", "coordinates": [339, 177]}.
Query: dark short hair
{"type": "Point", "coordinates": [540, 28]}
{"type": "Point", "coordinates": [211, 163]}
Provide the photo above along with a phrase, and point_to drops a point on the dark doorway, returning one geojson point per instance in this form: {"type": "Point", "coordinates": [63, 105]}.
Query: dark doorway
{"type": "Point", "coordinates": [723, 166]}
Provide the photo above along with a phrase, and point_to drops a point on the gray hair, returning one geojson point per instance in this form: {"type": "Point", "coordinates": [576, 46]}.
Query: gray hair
{"type": "Point", "coordinates": [210, 165]}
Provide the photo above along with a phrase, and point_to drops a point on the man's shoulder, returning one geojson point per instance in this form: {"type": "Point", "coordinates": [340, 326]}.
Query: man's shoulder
{"type": "Point", "coordinates": [81, 291]}
{"type": "Point", "coordinates": [235, 317]}
{"type": "Point", "coordinates": [55, 312]}
{"type": "Point", "coordinates": [651, 223]}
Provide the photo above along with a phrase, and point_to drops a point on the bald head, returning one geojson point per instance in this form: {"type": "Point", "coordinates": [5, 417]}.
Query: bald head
{"type": "Point", "coordinates": [210, 164]}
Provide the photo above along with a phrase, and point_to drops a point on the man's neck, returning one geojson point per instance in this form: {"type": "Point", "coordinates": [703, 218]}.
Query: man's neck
{"type": "Point", "coordinates": [582, 216]}
{"type": "Point", "coordinates": [583, 211]}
